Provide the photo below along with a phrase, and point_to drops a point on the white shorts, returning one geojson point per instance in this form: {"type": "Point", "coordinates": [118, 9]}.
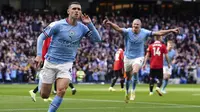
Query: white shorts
{"type": "Point", "coordinates": [128, 63]}
{"type": "Point", "coordinates": [167, 71]}
{"type": "Point", "coordinates": [50, 72]}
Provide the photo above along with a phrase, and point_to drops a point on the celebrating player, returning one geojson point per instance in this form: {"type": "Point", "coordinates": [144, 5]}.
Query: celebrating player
{"type": "Point", "coordinates": [66, 36]}
{"type": "Point", "coordinates": [135, 38]}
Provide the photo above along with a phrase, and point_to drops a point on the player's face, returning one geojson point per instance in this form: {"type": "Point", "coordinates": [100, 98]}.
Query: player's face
{"type": "Point", "coordinates": [136, 25]}
{"type": "Point", "coordinates": [74, 11]}
{"type": "Point", "coordinates": [169, 45]}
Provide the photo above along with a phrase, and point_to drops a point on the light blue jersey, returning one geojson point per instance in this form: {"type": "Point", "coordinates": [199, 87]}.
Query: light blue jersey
{"type": "Point", "coordinates": [171, 54]}
{"type": "Point", "coordinates": [134, 43]}
{"type": "Point", "coordinates": [65, 40]}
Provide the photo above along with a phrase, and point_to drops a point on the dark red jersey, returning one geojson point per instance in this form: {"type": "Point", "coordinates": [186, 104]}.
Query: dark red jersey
{"type": "Point", "coordinates": [119, 56]}
{"type": "Point", "coordinates": [156, 50]}
{"type": "Point", "coordinates": [45, 47]}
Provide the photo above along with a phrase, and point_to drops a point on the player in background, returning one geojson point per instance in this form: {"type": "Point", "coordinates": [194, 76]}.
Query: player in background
{"type": "Point", "coordinates": [134, 39]}
{"type": "Point", "coordinates": [118, 68]}
{"type": "Point", "coordinates": [168, 71]}
{"type": "Point", "coordinates": [156, 51]}
{"type": "Point", "coordinates": [44, 51]}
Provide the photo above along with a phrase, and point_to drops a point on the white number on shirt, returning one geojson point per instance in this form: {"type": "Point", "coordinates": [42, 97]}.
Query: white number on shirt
{"type": "Point", "coordinates": [156, 51]}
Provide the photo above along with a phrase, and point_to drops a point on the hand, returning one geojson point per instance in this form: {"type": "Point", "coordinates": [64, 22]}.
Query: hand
{"type": "Point", "coordinates": [176, 30]}
{"type": "Point", "coordinates": [106, 21]}
{"type": "Point", "coordinates": [85, 19]}
{"type": "Point", "coordinates": [38, 61]}
{"type": "Point", "coordinates": [143, 66]}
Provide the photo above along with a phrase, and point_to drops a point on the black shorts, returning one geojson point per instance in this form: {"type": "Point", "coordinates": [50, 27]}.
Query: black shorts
{"type": "Point", "coordinates": [118, 73]}
{"type": "Point", "coordinates": [156, 73]}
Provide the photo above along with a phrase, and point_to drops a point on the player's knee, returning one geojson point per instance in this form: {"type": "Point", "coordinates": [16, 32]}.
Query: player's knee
{"type": "Point", "coordinates": [44, 95]}
{"type": "Point", "coordinates": [61, 91]}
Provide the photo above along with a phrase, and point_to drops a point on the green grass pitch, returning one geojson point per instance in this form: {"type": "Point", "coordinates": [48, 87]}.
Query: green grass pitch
{"type": "Point", "coordinates": [97, 98]}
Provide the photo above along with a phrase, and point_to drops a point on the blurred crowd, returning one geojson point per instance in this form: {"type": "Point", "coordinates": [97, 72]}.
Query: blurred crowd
{"type": "Point", "coordinates": [94, 61]}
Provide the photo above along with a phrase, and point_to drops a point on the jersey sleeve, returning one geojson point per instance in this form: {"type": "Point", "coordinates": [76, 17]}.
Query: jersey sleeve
{"type": "Point", "coordinates": [124, 31]}
{"type": "Point", "coordinates": [122, 55]}
{"type": "Point", "coordinates": [51, 29]}
{"type": "Point", "coordinates": [91, 32]}
{"type": "Point", "coordinates": [148, 49]}
{"type": "Point", "coordinates": [45, 47]}
{"type": "Point", "coordinates": [164, 49]}
{"type": "Point", "coordinates": [147, 32]}
{"type": "Point", "coordinates": [86, 31]}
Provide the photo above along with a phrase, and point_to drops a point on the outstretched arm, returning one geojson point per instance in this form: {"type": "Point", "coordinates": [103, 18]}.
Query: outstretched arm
{"type": "Point", "coordinates": [114, 26]}
{"type": "Point", "coordinates": [164, 32]}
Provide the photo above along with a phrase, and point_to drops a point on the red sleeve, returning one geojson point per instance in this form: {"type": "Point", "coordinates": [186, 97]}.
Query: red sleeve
{"type": "Point", "coordinates": [164, 49]}
{"type": "Point", "coordinates": [45, 47]}
{"type": "Point", "coordinates": [149, 49]}
{"type": "Point", "coordinates": [122, 55]}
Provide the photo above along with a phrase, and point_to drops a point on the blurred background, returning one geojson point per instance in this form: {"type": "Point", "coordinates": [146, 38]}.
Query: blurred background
{"type": "Point", "coordinates": [21, 22]}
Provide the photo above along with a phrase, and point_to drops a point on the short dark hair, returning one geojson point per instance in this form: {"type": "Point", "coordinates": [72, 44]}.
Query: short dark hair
{"type": "Point", "coordinates": [121, 46]}
{"type": "Point", "coordinates": [73, 3]}
{"type": "Point", "coordinates": [158, 37]}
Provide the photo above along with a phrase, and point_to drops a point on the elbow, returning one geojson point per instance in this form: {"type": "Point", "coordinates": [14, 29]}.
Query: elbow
{"type": "Point", "coordinates": [160, 34]}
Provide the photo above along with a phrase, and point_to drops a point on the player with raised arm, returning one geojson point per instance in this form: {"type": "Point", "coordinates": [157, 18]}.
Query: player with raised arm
{"type": "Point", "coordinates": [118, 68]}
{"type": "Point", "coordinates": [168, 71]}
{"type": "Point", "coordinates": [66, 36]}
{"type": "Point", "coordinates": [156, 51]}
{"type": "Point", "coordinates": [135, 38]}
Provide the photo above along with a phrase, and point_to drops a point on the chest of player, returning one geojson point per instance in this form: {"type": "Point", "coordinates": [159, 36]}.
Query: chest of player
{"type": "Point", "coordinates": [69, 33]}
{"type": "Point", "coordinates": [136, 38]}
{"type": "Point", "coordinates": [171, 54]}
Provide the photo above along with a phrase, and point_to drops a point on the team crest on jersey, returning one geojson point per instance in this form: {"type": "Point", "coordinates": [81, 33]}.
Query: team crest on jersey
{"type": "Point", "coordinates": [71, 33]}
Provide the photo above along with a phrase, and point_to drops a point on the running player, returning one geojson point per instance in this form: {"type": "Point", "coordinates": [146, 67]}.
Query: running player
{"type": "Point", "coordinates": [135, 38]}
{"type": "Point", "coordinates": [33, 92]}
{"type": "Point", "coordinates": [118, 68]}
{"type": "Point", "coordinates": [168, 71]}
{"type": "Point", "coordinates": [66, 36]}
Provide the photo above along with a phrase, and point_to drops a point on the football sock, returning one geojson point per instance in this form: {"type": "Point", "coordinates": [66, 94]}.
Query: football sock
{"type": "Point", "coordinates": [71, 85]}
{"type": "Point", "coordinates": [151, 84]}
{"type": "Point", "coordinates": [127, 85]}
{"type": "Point", "coordinates": [165, 82]}
{"type": "Point", "coordinates": [122, 83]}
{"type": "Point", "coordinates": [134, 79]}
{"type": "Point", "coordinates": [55, 104]}
{"type": "Point", "coordinates": [159, 83]}
{"type": "Point", "coordinates": [114, 81]}
{"type": "Point", "coordinates": [35, 90]}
